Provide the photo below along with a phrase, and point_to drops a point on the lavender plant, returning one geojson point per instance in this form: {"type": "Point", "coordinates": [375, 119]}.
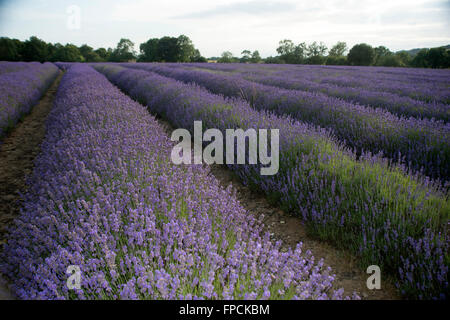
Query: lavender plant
{"type": "Point", "coordinates": [422, 145]}
{"type": "Point", "coordinates": [427, 86]}
{"type": "Point", "coordinates": [387, 217]}
{"type": "Point", "coordinates": [104, 196]}
{"type": "Point", "coordinates": [398, 105]}
{"type": "Point", "coordinates": [8, 66]}
{"type": "Point", "coordinates": [20, 90]}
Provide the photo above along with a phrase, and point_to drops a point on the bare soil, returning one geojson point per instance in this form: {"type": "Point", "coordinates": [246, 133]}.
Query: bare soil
{"type": "Point", "coordinates": [17, 152]}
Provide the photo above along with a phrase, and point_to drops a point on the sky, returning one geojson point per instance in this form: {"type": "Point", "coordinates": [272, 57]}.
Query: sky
{"type": "Point", "coordinates": [216, 26]}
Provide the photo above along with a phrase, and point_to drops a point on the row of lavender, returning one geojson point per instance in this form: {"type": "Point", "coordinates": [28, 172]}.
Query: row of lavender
{"type": "Point", "coordinates": [369, 92]}
{"type": "Point", "coordinates": [105, 197]}
{"type": "Point", "coordinates": [429, 85]}
{"type": "Point", "coordinates": [386, 217]}
{"type": "Point", "coordinates": [8, 66]}
{"type": "Point", "coordinates": [422, 145]}
{"type": "Point", "coordinates": [435, 76]}
{"type": "Point", "coordinates": [21, 87]}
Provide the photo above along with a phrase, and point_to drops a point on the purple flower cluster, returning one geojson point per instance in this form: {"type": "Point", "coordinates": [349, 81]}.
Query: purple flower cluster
{"type": "Point", "coordinates": [105, 196]}
{"type": "Point", "coordinates": [420, 144]}
{"type": "Point", "coordinates": [374, 209]}
{"type": "Point", "coordinates": [21, 87]}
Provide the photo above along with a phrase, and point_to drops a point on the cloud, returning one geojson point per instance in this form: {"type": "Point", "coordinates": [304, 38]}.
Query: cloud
{"type": "Point", "coordinates": [219, 25]}
{"type": "Point", "coordinates": [249, 8]}
{"type": "Point", "coordinates": [427, 12]}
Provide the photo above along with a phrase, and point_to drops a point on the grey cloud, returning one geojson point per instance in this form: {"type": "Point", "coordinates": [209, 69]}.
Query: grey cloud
{"type": "Point", "coordinates": [437, 4]}
{"type": "Point", "coordinates": [250, 7]}
{"type": "Point", "coordinates": [415, 16]}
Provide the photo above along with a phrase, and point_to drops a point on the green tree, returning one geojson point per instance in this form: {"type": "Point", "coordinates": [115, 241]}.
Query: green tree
{"type": "Point", "coordinates": [299, 54]}
{"type": "Point", "coordinates": [336, 60]}
{"type": "Point", "coordinates": [404, 58]}
{"type": "Point", "coordinates": [438, 57]}
{"type": "Point", "coordinates": [316, 53]}
{"type": "Point", "coordinates": [287, 51]}
{"type": "Point", "coordinates": [390, 60]}
{"type": "Point", "coordinates": [103, 53]}
{"type": "Point", "coordinates": [291, 53]}
{"type": "Point", "coordinates": [34, 49]}
{"type": "Point", "coordinates": [383, 55]}
{"type": "Point", "coordinates": [226, 57]}
{"type": "Point", "coordinates": [168, 50]}
{"type": "Point", "coordinates": [338, 50]}
{"type": "Point", "coordinates": [197, 57]}
{"type": "Point", "coordinates": [124, 51]}
{"type": "Point", "coordinates": [85, 49]}
{"type": "Point", "coordinates": [246, 56]}
{"type": "Point", "coordinates": [256, 58]}
{"type": "Point", "coordinates": [285, 47]}
{"type": "Point", "coordinates": [186, 49]}
{"type": "Point", "coordinates": [19, 45]}
{"type": "Point", "coordinates": [52, 48]}
{"type": "Point", "coordinates": [420, 60]}
{"type": "Point", "coordinates": [336, 54]}
{"type": "Point", "coordinates": [274, 60]}
{"type": "Point", "coordinates": [68, 53]}
{"type": "Point", "coordinates": [89, 54]}
{"type": "Point", "coordinates": [149, 50]}
{"type": "Point", "coordinates": [361, 55]}
{"type": "Point", "coordinates": [9, 49]}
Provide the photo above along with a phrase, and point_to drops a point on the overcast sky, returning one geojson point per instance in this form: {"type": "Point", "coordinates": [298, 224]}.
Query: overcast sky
{"type": "Point", "coordinates": [234, 25]}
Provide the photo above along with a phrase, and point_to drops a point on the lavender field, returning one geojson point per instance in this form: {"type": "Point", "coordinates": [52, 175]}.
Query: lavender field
{"type": "Point", "coordinates": [364, 164]}
{"type": "Point", "coordinates": [21, 86]}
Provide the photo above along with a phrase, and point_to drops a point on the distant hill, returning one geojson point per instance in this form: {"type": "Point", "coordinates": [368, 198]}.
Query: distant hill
{"type": "Point", "coordinates": [413, 52]}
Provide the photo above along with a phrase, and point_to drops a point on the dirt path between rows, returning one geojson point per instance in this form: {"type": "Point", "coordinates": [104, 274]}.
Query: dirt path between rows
{"type": "Point", "coordinates": [17, 153]}
{"type": "Point", "coordinates": [291, 231]}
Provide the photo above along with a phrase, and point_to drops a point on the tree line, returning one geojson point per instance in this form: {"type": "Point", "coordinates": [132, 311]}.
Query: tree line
{"type": "Point", "coordinates": [359, 55]}
{"type": "Point", "coordinates": [181, 49]}
{"type": "Point", "coordinates": [165, 49]}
